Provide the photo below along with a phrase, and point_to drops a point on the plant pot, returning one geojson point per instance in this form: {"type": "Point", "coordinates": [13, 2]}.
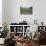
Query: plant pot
{"type": "Point", "coordinates": [2, 40]}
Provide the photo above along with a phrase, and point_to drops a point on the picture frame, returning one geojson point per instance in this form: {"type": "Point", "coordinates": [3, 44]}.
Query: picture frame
{"type": "Point", "coordinates": [26, 10]}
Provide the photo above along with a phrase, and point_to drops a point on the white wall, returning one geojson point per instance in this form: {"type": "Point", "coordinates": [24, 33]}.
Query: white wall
{"type": "Point", "coordinates": [42, 11]}
{"type": "Point", "coordinates": [15, 15]}
{"type": "Point", "coordinates": [4, 11]}
{"type": "Point", "coordinates": [12, 11]}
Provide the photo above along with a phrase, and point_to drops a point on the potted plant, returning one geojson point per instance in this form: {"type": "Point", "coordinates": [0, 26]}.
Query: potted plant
{"type": "Point", "coordinates": [3, 34]}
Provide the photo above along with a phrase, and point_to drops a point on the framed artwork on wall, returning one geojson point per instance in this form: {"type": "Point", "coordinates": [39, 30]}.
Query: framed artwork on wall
{"type": "Point", "coordinates": [25, 10]}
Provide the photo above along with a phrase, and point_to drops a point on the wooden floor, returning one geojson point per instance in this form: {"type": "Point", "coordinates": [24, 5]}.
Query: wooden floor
{"type": "Point", "coordinates": [42, 45]}
{"type": "Point", "coordinates": [36, 44]}
{"type": "Point", "coordinates": [1, 45]}
{"type": "Point", "coordinates": [32, 45]}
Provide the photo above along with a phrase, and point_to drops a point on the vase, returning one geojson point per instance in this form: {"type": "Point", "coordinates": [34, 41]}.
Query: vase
{"type": "Point", "coordinates": [2, 40]}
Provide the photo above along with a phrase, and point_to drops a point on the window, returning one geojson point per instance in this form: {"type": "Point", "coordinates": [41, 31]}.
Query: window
{"type": "Point", "coordinates": [0, 13]}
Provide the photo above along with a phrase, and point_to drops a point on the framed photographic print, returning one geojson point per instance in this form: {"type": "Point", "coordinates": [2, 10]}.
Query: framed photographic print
{"type": "Point", "coordinates": [25, 10]}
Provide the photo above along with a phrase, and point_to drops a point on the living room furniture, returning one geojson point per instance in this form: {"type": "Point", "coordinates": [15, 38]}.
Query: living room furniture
{"type": "Point", "coordinates": [24, 43]}
{"type": "Point", "coordinates": [18, 29]}
{"type": "Point", "coordinates": [42, 37]}
{"type": "Point", "coordinates": [9, 42]}
{"type": "Point", "coordinates": [21, 28]}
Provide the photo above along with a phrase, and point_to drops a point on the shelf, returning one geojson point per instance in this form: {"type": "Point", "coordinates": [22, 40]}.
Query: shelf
{"type": "Point", "coordinates": [22, 28]}
{"type": "Point", "coordinates": [19, 32]}
{"type": "Point", "coordinates": [19, 25]}
{"type": "Point", "coordinates": [12, 32]}
{"type": "Point", "coordinates": [16, 32]}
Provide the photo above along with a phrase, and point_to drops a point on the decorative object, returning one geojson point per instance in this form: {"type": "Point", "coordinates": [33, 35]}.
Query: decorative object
{"type": "Point", "coordinates": [25, 10]}
{"type": "Point", "coordinates": [28, 33]}
{"type": "Point", "coordinates": [2, 40]}
{"type": "Point", "coordinates": [3, 34]}
{"type": "Point", "coordinates": [35, 21]}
